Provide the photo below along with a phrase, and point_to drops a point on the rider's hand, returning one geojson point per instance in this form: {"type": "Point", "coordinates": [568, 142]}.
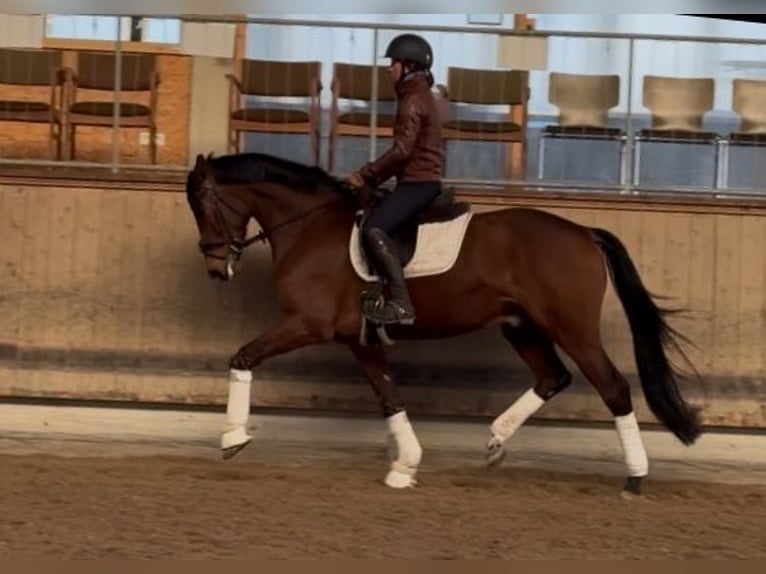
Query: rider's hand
{"type": "Point", "coordinates": [355, 181]}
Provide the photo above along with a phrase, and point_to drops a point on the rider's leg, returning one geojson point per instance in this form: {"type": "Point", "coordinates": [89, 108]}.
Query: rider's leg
{"type": "Point", "coordinates": [393, 211]}
{"type": "Point", "coordinates": [399, 308]}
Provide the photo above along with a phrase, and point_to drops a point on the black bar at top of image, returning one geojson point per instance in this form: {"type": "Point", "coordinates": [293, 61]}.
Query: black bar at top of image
{"type": "Point", "coordinates": [755, 18]}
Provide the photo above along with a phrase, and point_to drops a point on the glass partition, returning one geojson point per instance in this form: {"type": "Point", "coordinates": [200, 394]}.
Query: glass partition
{"type": "Point", "coordinates": [580, 102]}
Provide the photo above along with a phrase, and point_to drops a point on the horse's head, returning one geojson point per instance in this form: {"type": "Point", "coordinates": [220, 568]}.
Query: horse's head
{"type": "Point", "coordinates": [221, 220]}
{"type": "Point", "coordinates": [282, 195]}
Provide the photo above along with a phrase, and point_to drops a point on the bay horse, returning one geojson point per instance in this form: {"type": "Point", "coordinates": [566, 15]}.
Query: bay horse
{"type": "Point", "coordinates": [540, 277]}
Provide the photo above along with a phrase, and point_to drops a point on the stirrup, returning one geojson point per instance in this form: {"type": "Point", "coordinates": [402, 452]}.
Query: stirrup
{"type": "Point", "coordinates": [389, 313]}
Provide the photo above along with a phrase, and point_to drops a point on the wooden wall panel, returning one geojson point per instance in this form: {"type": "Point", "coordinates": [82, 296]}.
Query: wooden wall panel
{"type": "Point", "coordinates": [112, 281]}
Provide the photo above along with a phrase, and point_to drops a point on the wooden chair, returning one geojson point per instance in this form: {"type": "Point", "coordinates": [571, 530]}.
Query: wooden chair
{"type": "Point", "coordinates": [275, 79]}
{"type": "Point", "coordinates": [583, 102]}
{"type": "Point", "coordinates": [479, 87]}
{"type": "Point", "coordinates": [31, 69]}
{"type": "Point", "coordinates": [354, 83]}
{"type": "Point", "coordinates": [96, 71]}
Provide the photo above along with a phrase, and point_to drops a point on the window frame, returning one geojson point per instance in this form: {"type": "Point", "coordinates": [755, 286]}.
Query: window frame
{"type": "Point", "coordinates": [58, 43]}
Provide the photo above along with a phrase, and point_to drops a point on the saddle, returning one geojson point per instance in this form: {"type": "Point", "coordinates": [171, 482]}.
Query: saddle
{"type": "Point", "coordinates": [442, 208]}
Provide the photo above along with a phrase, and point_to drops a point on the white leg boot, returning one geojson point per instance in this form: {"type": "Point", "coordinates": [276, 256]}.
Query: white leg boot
{"type": "Point", "coordinates": [235, 437]}
{"type": "Point", "coordinates": [508, 422]}
{"type": "Point", "coordinates": [636, 461]}
{"type": "Point", "coordinates": [409, 452]}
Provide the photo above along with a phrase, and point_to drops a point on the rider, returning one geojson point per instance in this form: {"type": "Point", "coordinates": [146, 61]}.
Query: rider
{"type": "Point", "coordinates": [416, 159]}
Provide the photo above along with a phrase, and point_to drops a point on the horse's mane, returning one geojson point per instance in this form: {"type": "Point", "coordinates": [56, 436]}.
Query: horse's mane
{"type": "Point", "coordinates": [260, 167]}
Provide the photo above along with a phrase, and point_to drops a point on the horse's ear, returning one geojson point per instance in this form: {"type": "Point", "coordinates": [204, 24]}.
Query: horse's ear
{"type": "Point", "coordinates": [200, 161]}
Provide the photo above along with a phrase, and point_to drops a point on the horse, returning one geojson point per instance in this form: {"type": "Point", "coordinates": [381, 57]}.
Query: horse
{"type": "Point", "coordinates": [539, 277]}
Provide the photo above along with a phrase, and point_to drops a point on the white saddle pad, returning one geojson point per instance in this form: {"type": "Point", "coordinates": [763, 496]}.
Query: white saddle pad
{"type": "Point", "coordinates": [438, 246]}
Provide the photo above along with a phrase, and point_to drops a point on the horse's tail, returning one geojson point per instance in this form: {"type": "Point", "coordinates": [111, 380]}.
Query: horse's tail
{"type": "Point", "coordinates": [651, 334]}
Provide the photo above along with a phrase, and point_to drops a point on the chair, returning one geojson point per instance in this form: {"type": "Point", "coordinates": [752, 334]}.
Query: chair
{"type": "Point", "coordinates": [749, 102]}
{"type": "Point", "coordinates": [96, 71]}
{"type": "Point", "coordinates": [478, 87]}
{"type": "Point", "coordinates": [677, 107]}
{"type": "Point", "coordinates": [355, 82]}
{"type": "Point", "coordinates": [34, 68]}
{"type": "Point", "coordinates": [275, 79]}
{"type": "Point", "coordinates": [583, 102]}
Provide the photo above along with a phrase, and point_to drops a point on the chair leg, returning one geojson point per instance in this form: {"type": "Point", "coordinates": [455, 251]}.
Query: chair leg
{"type": "Point", "coordinates": [52, 140]}
{"type": "Point", "coordinates": [516, 160]}
{"type": "Point", "coordinates": [314, 147]}
{"type": "Point", "coordinates": [59, 138]}
{"type": "Point", "coordinates": [445, 163]}
{"type": "Point", "coordinates": [524, 158]}
{"type": "Point", "coordinates": [153, 146]}
{"type": "Point", "coordinates": [72, 137]}
{"type": "Point", "coordinates": [230, 142]}
{"type": "Point", "coordinates": [331, 153]}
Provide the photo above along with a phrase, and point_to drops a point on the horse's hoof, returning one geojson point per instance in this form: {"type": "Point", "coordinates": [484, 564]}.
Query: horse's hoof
{"type": "Point", "coordinates": [627, 495]}
{"type": "Point", "coordinates": [632, 488]}
{"type": "Point", "coordinates": [495, 453]}
{"type": "Point", "coordinates": [228, 453]}
{"type": "Point", "coordinates": [401, 476]}
{"type": "Point", "coordinates": [234, 441]}
{"type": "Point", "coordinates": [400, 480]}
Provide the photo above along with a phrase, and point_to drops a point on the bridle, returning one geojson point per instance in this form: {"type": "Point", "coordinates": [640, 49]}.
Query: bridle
{"type": "Point", "coordinates": [237, 246]}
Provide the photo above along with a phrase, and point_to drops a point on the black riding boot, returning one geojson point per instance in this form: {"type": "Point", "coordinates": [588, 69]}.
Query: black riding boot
{"type": "Point", "coordinates": [399, 308]}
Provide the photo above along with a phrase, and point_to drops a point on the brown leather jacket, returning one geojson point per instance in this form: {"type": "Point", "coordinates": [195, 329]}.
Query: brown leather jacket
{"type": "Point", "coordinates": [416, 153]}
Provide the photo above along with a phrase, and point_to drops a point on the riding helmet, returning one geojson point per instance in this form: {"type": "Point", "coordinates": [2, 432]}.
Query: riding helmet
{"type": "Point", "coordinates": [411, 47]}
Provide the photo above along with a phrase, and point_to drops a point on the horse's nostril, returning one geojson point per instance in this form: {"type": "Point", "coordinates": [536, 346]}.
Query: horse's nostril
{"type": "Point", "coordinates": [215, 274]}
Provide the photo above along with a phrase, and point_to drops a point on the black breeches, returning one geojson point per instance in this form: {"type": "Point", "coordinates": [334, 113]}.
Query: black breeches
{"type": "Point", "coordinates": [401, 205]}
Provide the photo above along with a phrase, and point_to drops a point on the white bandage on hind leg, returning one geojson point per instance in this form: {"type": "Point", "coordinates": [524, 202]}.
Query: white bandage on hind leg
{"type": "Point", "coordinates": [408, 448]}
{"type": "Point", "coordinates": [514, 416]}
{"type": "Point", "coordinates": [238, 405]}
{"type": "Point", "coordinates": [632, 446]}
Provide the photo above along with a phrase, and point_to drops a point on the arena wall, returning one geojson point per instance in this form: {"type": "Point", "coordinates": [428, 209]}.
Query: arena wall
{"type": "Point", "coordinates": [104, 296]}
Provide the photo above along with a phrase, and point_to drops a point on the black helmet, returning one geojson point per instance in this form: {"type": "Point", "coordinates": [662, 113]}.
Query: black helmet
{"type": "Point", "coordinates": [411, 47]}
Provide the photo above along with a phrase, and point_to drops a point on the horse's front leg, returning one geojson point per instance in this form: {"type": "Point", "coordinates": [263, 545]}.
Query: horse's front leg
{"type": "Point", "coordinates": [292, 333]}
{"type": "Point", "coordinates": [375, 367]}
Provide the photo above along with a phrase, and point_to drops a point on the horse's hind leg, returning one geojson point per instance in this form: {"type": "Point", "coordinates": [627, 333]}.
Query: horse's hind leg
{"type": "Point", "coordinates": [587, 351]}
{"type": "Point", "coordinates": [374, 365]}
{"type": "Point", "coordinates": [551, 377]}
